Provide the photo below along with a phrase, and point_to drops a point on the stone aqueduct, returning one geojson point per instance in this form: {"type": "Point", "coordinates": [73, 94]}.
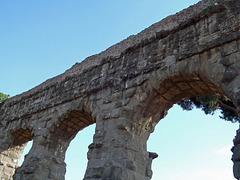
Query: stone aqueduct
{"type": "Point", "coordinates": [125, 90]}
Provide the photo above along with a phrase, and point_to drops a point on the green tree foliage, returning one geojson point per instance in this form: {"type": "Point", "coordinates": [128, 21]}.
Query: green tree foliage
{"type": "Point", "coordinates": [3, 98]}
{"type": "Point", "coordinates": [209, 103]}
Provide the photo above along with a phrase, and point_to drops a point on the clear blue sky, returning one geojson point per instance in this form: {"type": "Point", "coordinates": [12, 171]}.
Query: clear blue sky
{"type": "Point", "coordinates": [40, 39]}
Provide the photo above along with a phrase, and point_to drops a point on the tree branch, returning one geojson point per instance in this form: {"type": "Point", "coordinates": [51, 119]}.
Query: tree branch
{"type": "Point", "coordinates": [227, 107]}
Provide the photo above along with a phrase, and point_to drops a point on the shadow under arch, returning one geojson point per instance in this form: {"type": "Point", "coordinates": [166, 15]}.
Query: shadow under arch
{"type": "Point", "coordinates": [70, 124]}
{"type": "Point", "coordinates": [176, 89]}
{"type": "Point", "coordinates": [21, 136]}
{"type": "Point", "coordinates": [10, 157]}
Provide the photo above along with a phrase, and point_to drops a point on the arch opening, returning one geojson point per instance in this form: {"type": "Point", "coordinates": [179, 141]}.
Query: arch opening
{"type": "Point", "coordinates": [192, 145]}
{"type": "Point", "coordinates": [50, 161]}
{"type": "Point", "coordinates": [179, 88]}
{"type": "Point", "coordinates": [25, 153]}
{"type": "Point", "coordinates": [76, 154]}
{"type": "Point", "coordinates": [74, 131]}
{"type": "Point", "coordinates": [22, 142]}
{"type": "Point", "coordinates": [10, 158]}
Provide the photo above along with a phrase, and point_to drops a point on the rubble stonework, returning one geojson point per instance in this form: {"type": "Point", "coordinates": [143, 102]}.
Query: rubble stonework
{"type": "Point", "coordinates": [126, 90]}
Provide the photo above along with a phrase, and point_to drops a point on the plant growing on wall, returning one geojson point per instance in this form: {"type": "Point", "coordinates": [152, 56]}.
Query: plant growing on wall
{"type": "Point", "coordinates": [3, 98]}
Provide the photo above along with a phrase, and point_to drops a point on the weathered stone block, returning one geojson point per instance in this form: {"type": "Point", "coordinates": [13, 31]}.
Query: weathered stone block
{"type": "Point", "coordinates": [229, 48]}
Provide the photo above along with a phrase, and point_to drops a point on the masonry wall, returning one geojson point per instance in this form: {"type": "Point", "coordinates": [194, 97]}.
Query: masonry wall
{"type": "Point", "coordinates": [125, 90]}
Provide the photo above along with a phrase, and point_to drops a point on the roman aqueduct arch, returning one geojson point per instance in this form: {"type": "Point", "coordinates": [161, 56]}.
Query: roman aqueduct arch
{"type": "Point", "coordinates": [125, 90]}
